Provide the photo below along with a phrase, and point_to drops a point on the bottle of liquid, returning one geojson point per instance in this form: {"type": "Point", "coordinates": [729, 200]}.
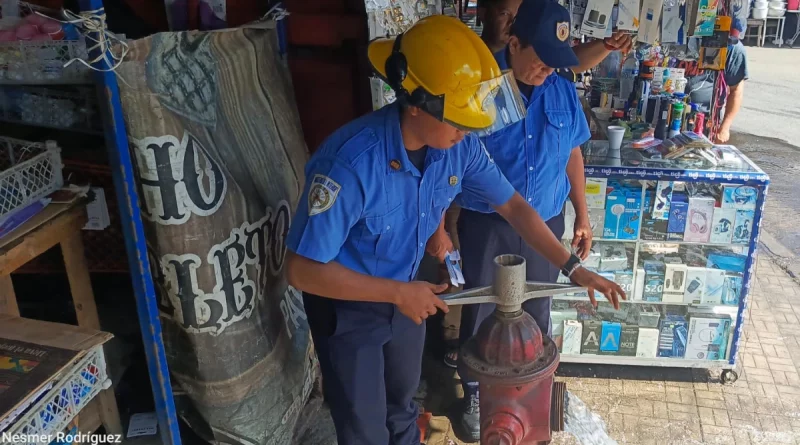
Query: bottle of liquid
{"type": "Point", "coordinates": [661, 126]}
{"type": "Point", "coordinates": [677, 116]}
{"type": "Point", "coordinates": [630, 71]}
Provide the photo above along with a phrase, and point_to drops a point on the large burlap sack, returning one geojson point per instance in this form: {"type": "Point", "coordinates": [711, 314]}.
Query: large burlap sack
{"type": "Point", "coordinates": [219, 154]}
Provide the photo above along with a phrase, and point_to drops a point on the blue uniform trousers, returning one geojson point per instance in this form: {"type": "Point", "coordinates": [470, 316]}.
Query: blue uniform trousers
{"type": "Point", "coordinates": [483, 236]}
{"type": "Point", "coordinates": [370, 356]}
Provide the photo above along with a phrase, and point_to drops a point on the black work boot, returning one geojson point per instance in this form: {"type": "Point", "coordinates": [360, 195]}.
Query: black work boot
{"type": "Point", "coordinates": [471, 415]}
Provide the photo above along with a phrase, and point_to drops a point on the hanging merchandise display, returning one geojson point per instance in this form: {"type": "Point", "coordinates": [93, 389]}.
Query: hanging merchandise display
{"type": "Point", "coordinates": [219, 154]}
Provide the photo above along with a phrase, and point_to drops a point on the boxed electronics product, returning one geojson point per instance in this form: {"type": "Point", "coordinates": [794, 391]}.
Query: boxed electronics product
{"type": "Point", "coordinates": [609, 337]}
{"type": "Point", "coordinates": [695, 285]}
{"type": "Point", "coordinates": [596, 193]}
{"type": "Point", "coordinates": [653, 280]}
{"type": "Point", "coordinates": [708, 337]}
{"type": "Point", "coordinates": [597, 220]}
{"type": "Point", "coordinates": [722, 225]}
{"type": "Point", "coordinates": [628, 16]}
{"type": "Point", "coordinates": [638, 285]}
{"type": "Point", "coordinates": [625, 280]}
{"type": "Point", "coordinates": [678, 210]}
{"type": "Point", "coordinates": [698, 220]}
{"type": "Point", "coordinates": [731, 290]}
{"type": "Point", "coordinates": [593, 260]}
{"type": "Point", "coordinates": [628, 340]}
{"type": "Point", "coordinates": [674, 283]}
{"type": "Point", "coordinates": [557, 318]}
{"type": "Point", "coordinates": [590, 337]}
{"type": "Point", "coordinates": [647, 343]}
{"type": "Point", "coordinates": [663, 198]}
{"type": "Point", "coordinates": [739, 197]}
{"type": "Point", "coordinates": [743, 227]}
{"type": "Point", "coordinates": [613, 257]}
{"type": "Point", "coordinates": [596, 18]}
{"type": "Point", "coordinates": [727, 261]}
{"type": "Point", "coordinates": [623, 205]}
{"type": "Point", "coordinates": [715, 281]}
{"type": "Point", "coordinates": [654, 230]}
{"type": "Point", "coordinates": [672, 336]}
{"type": "Point", "coordinates": [649, 316]}
{"type": "Point", "coordinates": [571, 339]}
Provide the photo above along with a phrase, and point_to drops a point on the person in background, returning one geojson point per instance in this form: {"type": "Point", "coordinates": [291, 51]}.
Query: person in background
{"type": "Point", "coordinates": [497, 16]}
{"type": "Point", "coordinates": [541, 157]}
{"type": "Point", "coordinates": [375, 191]}
{"type": "Point", "coordinates": [701, 87]}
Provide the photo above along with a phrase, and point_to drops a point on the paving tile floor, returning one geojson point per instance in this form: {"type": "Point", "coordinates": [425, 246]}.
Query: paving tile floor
{"type": "Point", "coordinates": [683, 406]}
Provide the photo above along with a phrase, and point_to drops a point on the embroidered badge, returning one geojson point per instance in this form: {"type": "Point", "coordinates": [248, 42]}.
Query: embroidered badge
{"type": "Point", "coordinates": [453, 180]}
{"type": "Point", "coordinates": [562, 30]}
{"type": "Point", "coordinates": [322, 194]}
{"type": "Point", "coordinates": [395, 164]}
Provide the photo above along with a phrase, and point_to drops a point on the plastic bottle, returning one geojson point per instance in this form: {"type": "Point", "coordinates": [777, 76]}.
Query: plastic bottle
{"type": "Point", "coordinates": [630, 71]}
{"type": "Point", "coordinates": [677, 116]}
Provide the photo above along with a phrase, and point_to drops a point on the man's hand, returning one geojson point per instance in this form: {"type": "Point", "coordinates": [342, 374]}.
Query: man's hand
{"type": "Point", "coordinates": [619, 41]}
{"type": "Point", "coordinates": [439, 244]}
{"type": "Point", "coordinates": [582, 238]}
{"type": "Point", "coordinates": [723, 135]}
{"type": "Point", "coordinates": [417, 299]}
{"type": "Point", "coordinates": [594, 282]}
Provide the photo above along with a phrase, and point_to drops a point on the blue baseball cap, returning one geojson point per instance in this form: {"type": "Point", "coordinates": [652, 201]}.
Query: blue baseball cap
{"type": "Point", "coordinates": [545, 25]}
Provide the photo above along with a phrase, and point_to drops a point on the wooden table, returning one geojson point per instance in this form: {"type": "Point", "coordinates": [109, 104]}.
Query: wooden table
{"type": "Point", "coordinates": [59, 224]}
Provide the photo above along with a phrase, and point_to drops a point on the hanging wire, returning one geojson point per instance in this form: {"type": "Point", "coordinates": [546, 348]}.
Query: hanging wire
{"type": "Point", "coordinates": [93, 23]}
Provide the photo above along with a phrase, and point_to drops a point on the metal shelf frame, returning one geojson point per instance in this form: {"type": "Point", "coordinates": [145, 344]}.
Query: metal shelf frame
{"type": "Point", "coordinates": [132, 226]}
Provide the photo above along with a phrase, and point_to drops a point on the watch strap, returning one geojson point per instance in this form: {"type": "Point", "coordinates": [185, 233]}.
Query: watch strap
{"type": "Point", "coordinates": [569, 267]}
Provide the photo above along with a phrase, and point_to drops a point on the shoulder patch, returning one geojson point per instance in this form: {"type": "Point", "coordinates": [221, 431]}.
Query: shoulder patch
{"type": "Point", "coordinates": [322, 194]}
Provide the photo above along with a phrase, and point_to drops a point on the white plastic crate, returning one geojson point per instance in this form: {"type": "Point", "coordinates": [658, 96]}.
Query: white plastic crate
{"type": "Point", "coordinates": [30, 171]}
{"type": "Point", "coordinates": [71, 392]}
{"type": "Point", "coordinates": [27, 62]}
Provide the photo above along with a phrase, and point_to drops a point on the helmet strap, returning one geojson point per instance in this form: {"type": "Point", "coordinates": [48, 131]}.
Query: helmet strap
{"type": "Point", "coordinates": [396, 72]}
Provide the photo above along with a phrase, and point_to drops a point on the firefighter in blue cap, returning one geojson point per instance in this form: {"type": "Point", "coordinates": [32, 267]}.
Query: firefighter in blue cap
{"type": "Point", "coordinates": [375, 191]}
{"type": "Point", "coordinates": [540, 155]}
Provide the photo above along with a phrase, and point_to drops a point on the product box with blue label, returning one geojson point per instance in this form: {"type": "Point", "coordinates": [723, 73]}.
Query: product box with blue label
{"type": "Point", "coordinates": [623, 205]}
{"type": "Point", "coordinates": [739, 197]}
{"type": "Point", "coordinates": [673, 336]}
{"type": "Point", "coordinates": [731, 290]}
{"type": "Point", "coordinates": [722, 225]}
{"type": "Point", "coordinates": [662, 200]}
{"type": "Point", "coordinates": [727, 261]}
{"type": "Point", "coordinates": [654, 272]}
{"type": "Point", "coordinates": [678, 210]}
{"type": "Point", "coordinates": [743, 227]}
{"type": "Point", "coordinates": [708, 337]}
{"type": "Point", "coordinates": [610, 335]}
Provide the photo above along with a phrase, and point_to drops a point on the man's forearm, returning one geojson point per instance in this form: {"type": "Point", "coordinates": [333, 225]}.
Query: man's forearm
{"type": "Point", "coordinates": [577, 182]}
{"type": "Point", "coordinates": [589, 55]}
{"type": "Point", "coordinates": [734, 104]}
{"type": "Point", "coordinates": [335, 281]}
{"type": "Point", "coordinates": [532, 228]}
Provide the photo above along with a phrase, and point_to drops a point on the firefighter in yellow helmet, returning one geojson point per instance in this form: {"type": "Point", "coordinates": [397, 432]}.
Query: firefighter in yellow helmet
{"type": "Point", "coordinates": [375, 192]}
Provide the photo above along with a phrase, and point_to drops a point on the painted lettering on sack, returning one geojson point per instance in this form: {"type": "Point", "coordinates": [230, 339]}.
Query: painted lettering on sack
{"type": "Point", "coordinates": [177, 179]}
{"type": "Point", "coordinates": [242, 265]}
{"type": "Point", "coordinates": [292, 310]}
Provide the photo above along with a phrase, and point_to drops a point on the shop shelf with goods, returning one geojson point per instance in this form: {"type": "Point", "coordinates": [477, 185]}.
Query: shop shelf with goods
{"type": "Point", "coordinates": [680, 237]}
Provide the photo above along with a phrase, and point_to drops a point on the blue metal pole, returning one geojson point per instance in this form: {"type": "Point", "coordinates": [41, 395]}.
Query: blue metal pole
{"type": "Point", "coordinates": [133, 229]}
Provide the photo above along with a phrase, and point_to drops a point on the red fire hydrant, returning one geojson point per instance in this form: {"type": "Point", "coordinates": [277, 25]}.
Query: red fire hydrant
{"type": "Point", "coordinates": [511, 360]}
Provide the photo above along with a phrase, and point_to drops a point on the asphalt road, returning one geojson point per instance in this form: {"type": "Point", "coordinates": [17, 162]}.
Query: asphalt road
{"type": "Point", "coordinates": [767, 130]}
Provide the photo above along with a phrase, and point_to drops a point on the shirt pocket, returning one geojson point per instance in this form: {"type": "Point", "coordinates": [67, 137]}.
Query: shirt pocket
{"type": "Point", "coordinates": [558, 150]}
{"type": "Point", "coordinates": [384, 234]}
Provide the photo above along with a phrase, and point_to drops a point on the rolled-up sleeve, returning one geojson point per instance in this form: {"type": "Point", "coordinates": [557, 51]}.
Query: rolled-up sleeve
{"type": "Point", "coordinates": [331, 204]}
{"type": "Point", "coordinates": [482, 179]}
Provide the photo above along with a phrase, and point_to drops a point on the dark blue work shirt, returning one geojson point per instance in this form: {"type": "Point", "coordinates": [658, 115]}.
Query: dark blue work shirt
{"type": "Point", "coordinates": [368, 208]}
{"type": "Point", "coordinates": [533, 153]}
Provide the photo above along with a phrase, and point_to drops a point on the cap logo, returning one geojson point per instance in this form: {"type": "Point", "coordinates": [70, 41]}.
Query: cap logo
{"type": "Point", "coordinates": [562, 30]}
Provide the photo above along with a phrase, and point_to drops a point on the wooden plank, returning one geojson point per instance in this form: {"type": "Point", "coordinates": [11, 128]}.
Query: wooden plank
{"type": "Point", "coordinates": [57, 335]}
{"type": "Point", "coordinates": [108, 411]}
{"type": "Point", "coordinates": [8, 299]}
{"type": "Point", "coordinates": [80, 283]}
{"type": "Point", "coordinates": [41, 237]}
{"type": "Point", "coordinates": [89, 417]}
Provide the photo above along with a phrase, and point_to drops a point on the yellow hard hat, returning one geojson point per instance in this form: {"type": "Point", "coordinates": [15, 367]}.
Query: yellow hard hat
{"type": "Point", "coordinates": [443, 67]}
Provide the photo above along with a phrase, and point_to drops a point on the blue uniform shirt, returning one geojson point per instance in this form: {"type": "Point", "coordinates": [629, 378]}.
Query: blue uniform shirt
{"type": "Point", "coordinates": [368, 208]}
{"type": "Point", "coordinates": [533, 153]}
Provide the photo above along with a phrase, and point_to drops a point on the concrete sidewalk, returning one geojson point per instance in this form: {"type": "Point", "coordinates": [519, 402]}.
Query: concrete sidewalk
{"type": "Point", "coordinates": [682, 406]}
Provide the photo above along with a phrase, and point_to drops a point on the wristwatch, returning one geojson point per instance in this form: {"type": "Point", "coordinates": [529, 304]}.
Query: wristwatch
{"type": "Point", "coordinates": [572, 264]}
